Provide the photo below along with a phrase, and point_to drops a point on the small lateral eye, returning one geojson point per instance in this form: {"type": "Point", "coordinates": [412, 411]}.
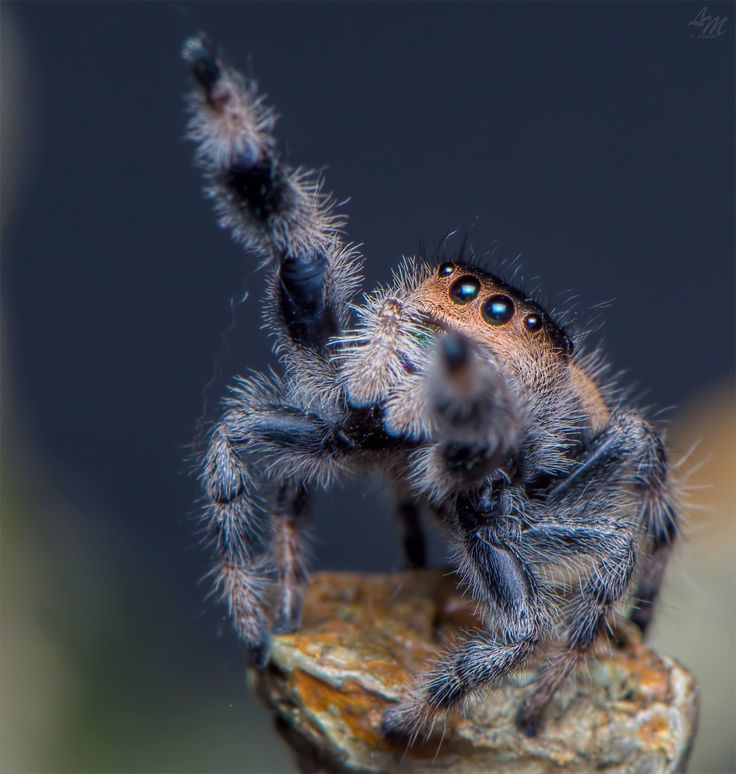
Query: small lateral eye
{"type": "Point", "coordinates": [464, 289]}
{"type": "Point", "coordinates": [533, 322]}
{"type": "Point", "coordinates": [498, 309]}
{"type": "Point", "coordinates": [446, 269]}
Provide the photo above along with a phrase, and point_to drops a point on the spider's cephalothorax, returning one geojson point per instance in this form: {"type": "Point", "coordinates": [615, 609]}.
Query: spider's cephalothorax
{"type": "Point", "coordinates": [460, 389]}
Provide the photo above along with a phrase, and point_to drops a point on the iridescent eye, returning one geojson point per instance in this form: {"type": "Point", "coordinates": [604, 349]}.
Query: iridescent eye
{"type": "Point", "coordinates": [533, 322]}
{"type": "Point", "coordinates": [464, 289]}
{"type": "Point", "coordinates": [446, 269]}
{"type": "Point", "coordinates": [498, 309]}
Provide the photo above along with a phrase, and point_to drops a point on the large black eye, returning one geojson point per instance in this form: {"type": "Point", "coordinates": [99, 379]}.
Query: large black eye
{"type": "Point", "coordinates": [446, 269]}
{"type": "Point", "coordinates": [464, 289]}
{"type": "Point", "coordinates": [498, 309]}
{"type": "Point", "coordinates": [533, 322]}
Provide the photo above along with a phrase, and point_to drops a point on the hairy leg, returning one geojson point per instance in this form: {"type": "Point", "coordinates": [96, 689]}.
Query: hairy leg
{"type": "Point", "coordinates": [476, 419]}
{"type": "Point", "coordinates": [651, 576]}
{"type": "Point", "coordinates": [495, 569]}
{"type": "Point", "coordinates": [632, 451]}
{"type": "Point", "coordinates": [381, 352]}
{"type": "Point", "coordinates": [412, 536]}
{"type": "Point", "coordinates": [289, 441]}
{"type": "Point", "coordinates": [660, 522]}
{"type": "Point", "coordinates": [277, 211]}
{"type": "Point", "coordinates": [611, 546]}
{"type": "Point", "coordinates": [288, 552]}
{"type": "Point", "coordinates": [240, 533]}
{"type": "Point", "coordinates": [582, 517]}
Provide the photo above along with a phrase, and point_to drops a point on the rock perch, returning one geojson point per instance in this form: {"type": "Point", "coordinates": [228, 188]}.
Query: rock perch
{"type": "Point", "coordinates": [363, 639]}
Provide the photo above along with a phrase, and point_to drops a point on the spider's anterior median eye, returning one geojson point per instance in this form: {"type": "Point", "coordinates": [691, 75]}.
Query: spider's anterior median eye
{"type": "Point", "coordinates": [533, 322]}
{"type": "Point", "coordinates": [498, 309]}
{"type": "Point", "coordinates": [464, 289]}
{"type": "Point", "coordinates": [446, 269]}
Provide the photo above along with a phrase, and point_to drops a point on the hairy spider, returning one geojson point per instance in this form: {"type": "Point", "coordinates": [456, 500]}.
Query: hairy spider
{"type": "Point", "coordinates": [462, 390]}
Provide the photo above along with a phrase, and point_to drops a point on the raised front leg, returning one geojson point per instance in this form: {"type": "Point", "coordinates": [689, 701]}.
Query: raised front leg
{"type": "Point", "coordinates": [477, 422]}
{"type": "Point", "coordinates": [277, 211]}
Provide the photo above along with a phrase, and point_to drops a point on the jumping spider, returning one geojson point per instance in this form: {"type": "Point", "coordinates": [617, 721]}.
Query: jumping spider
{"type": "Point", "coordinates": [459, 388]}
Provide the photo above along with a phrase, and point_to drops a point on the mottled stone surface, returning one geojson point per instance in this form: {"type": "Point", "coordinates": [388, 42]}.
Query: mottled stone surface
{"type": "Point", "coordinates": [365, 636]}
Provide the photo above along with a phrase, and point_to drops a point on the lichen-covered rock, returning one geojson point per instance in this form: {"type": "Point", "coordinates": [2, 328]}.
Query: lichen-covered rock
{"type": "Point", "coordinates": [364, 638]}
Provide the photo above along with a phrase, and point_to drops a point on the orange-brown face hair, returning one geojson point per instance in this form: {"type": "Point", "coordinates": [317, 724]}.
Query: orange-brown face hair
{"type": "Point", "coordinates": [473, 302]}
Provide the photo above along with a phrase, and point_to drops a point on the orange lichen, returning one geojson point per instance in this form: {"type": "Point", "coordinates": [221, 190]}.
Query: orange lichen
{"type": "Point", "coordinates": [357, 708]}
{"type": "Point", "coordinates": [655, 732]}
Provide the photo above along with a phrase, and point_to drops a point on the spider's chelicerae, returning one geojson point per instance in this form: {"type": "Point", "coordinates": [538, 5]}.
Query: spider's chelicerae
{"type": "Point", "coordinates": [460, 389]}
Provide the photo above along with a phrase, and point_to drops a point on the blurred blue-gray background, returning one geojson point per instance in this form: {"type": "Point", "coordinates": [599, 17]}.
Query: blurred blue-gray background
{"type": "Point", "coordinates": [594, 139]}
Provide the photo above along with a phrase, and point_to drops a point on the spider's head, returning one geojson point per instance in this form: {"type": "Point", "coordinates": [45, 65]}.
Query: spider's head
{"type": "Point", "coordinates": [466, 299]}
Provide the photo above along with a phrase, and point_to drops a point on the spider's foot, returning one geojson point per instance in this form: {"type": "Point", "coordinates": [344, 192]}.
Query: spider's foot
{"type": "Point", "coordinates": [623, 635]}
{"type": "Point", "coordinates": [396, 725]}
{"type": "Point", "coordinates": [258, 650]}
{"type": "Point", "coordinates": [528, 719]}
{"type": "Point", "coordinates": [404, 723]}
{"type": "Point", "coordinates": [198, 51]}
{"type": "Point", "coordinates": [287, 623]}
